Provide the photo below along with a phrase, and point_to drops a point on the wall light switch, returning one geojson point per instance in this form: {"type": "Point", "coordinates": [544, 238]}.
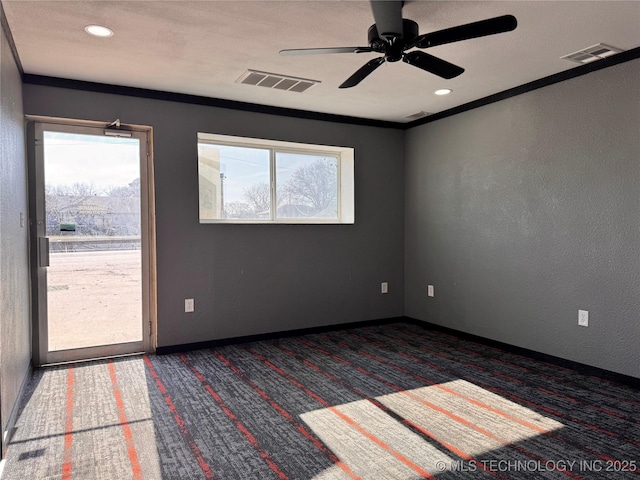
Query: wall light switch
{"type": "Point", "coordinates": [430, 291]}
{"type": "Point", "coordinates": [583, 318]}
{"type": "Point", "coordinates": [189, 305]}
{"type": "Point", "coordinates": [384, 287]}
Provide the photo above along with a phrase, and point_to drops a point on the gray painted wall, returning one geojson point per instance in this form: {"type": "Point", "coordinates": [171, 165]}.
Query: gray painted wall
{"type": "Point", "coordinates": [520, 213]}
{"type": "Point", "coordinates": [524, 211]}
{"type": "Point", "coordinates": [251, 279]}
{"type": "Point", "coordinates": [15, 353]}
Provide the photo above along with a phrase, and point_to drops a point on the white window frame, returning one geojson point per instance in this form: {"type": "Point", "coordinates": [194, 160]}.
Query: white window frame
{"type": "Point", "coordinates": [345, 159]}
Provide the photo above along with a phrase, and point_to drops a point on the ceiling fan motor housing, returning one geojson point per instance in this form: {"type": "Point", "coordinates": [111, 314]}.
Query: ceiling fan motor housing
{"type": "Point", "coordinates": [393, 47]}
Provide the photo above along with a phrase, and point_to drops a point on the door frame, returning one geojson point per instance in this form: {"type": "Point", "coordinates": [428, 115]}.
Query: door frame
{"type": "Point", "coordinates": [41, 355]}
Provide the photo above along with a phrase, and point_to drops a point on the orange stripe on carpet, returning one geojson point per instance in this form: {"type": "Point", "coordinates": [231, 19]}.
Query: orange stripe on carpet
{"type": "Point", "coordinates": [239, 425]}
{"type": "Point", "coordinates": [308, 435]}
{"type": "Point", "coordinates": [68, 427]}
{"type": "Point", "coordinates": [204, 466]}
{"type": "Point", "coordinates": [128, 436]}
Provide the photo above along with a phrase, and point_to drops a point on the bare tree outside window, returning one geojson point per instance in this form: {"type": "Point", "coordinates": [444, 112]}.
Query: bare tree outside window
{"type": "Point", "coordinates": [310, 186]}
{"type": "Point", "coordinates": [309, 190]}
{"type": "Point", "coordinates": [258, 196]}
{"type": "Point", "coordinates": [86, 210]}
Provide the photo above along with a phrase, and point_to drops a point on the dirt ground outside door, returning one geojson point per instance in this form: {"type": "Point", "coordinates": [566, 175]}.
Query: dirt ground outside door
{"type": "Point", "coordinates": [94, 298]}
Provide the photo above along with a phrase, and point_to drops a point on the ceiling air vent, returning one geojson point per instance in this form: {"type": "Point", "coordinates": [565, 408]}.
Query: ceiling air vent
{"type": "Point", "coordinates": [277, 81]}
{"type": "Point", "coordinates": [596, 52]}
{"type": "Point", "coordinates": [415, 116]}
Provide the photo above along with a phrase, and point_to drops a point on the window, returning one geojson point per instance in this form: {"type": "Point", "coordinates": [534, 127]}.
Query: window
{"type": "Point", "coordinates": [244, 180]}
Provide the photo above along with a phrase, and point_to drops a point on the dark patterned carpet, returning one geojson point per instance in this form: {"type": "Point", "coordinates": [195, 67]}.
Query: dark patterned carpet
{"type": "Point", "coordinates": [385, 402]}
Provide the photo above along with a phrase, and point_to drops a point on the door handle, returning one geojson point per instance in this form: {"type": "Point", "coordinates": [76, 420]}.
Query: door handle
{"type": "Point", "coordinates": [43, 251]}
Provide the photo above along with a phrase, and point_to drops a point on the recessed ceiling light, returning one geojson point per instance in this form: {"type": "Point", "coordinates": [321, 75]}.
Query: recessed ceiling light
{"type": "Point", "coordinates": [98, 31]}
{"type": "Point", "coordinates": [443, 91]}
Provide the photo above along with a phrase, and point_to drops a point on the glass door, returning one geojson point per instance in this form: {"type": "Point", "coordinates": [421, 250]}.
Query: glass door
{"type": "Point", "coordinates": [92, 242]}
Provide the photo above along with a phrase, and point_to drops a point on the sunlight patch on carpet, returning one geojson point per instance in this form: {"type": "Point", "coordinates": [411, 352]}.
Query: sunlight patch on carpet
{"type": "Point", "coordinates": [455, 417]}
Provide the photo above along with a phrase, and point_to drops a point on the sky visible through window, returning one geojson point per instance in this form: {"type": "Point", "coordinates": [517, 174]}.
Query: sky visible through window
{"type": "Point", "coordinates": [245, 166]}
{"type": "Point", "coordinates": [103, 162]}
{"type": "Point", "coordinates": [241, 167]}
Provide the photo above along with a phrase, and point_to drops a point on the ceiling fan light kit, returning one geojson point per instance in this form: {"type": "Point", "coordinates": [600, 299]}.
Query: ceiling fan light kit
{"type": "Point", "coordinates": [400, 36]}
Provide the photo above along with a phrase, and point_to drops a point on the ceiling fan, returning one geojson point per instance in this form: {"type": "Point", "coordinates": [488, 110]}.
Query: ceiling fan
{"type": "Point", "coordinates": [394, 36]}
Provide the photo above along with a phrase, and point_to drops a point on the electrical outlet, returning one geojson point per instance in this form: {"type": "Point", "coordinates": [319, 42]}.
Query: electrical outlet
{"type": "Point", "coordinates": [384, 287]}
{"type": "Point", "coordinates": [430, 291]}
{"type": "Point", "coordinates": [189, 305]}
{"type": "Point", "coordinates": [583, 318]}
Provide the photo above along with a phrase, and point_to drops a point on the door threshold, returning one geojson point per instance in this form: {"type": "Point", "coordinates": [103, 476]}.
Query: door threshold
{"type": "Point", "coordinates": [85, 360]}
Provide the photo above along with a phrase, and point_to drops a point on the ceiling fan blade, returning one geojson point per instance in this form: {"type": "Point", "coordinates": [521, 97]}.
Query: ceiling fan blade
{"type": "Point", "coordinates": [432, 64]}
{"type": "Point", "coordinates": [491, 26]}
{"type": "Point", "coordinates": [362, 73]}
{"type": "Point", "coordinates": [322, 51]}
{"type": "Point", "coordinates": [388, 16]}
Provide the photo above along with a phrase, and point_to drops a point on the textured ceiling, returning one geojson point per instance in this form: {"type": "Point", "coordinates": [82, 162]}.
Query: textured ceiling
{"type": "Point", "coordinates": [203, 47]}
